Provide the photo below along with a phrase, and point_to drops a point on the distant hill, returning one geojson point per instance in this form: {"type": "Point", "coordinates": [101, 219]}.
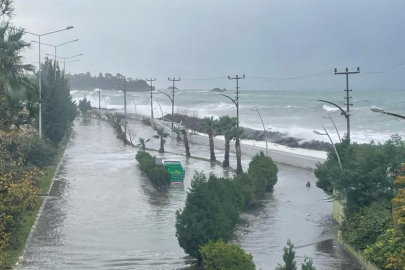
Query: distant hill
{"type": "Point", "coordinates": [84, 81]}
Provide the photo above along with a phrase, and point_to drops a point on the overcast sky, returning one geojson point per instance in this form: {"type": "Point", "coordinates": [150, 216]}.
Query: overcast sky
{"type": "Point", "coordinates": [197, 39]}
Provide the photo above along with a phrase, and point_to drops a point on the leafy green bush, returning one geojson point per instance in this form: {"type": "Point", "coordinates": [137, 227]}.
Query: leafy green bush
{"type": "Point", "coordinates": [156, 173]}
{"type": "Point", "coordinates": [263, 168]}
{"type": "Point", "coordinates": [362, 228]}
{"type": "Point", "coordinates": [253, 189]}
{"type": "Point", "coordinates": [159, 176]}
{"type": "Point", "coordinates": [388, 252]}
{"type": "Point", "coordinates": [84, 106]}
{"type": "Point", "coordinates": [368, 171]}
{"type": "Point", "coordinates": [211, 212]}
{"type": "Point", "coordinates": [38, 152]}
{"type": "Point", "coordinates": [222, 256]}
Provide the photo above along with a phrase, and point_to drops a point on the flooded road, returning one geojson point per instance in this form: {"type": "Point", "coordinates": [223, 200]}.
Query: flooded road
{"type": "Point", "coordinates": [103, 214]}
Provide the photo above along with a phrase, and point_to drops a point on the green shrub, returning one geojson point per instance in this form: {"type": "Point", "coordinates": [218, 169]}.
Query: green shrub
{"type": "Point", "coordinates": [263, 168]}
{"type": "Point", "coordinates": [211, 212]}
{"type": "Point", "coordinates": [368, 171]}
{"type": "Point", "coordinates": [253, 189]}
{"type": "Point", "coordinates": [222, 256]}
{"type": "Point", "coordinates": [362, 228]}
{"type": "Point", "coordinates": [38, 152]}
{"type": "Point", "coordinates": [388, 251]}
{"type": "Point", "coordinates": [159, 176]}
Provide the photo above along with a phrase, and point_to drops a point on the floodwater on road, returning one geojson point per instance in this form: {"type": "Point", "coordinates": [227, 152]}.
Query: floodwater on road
{"type": "Point", "coordinates": [102, 213]}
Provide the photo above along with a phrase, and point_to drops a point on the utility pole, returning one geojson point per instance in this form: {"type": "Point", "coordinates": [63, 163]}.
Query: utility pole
{"type": "Point", "coordinates": [237, 78]}
{"type": "Point", "coordinates": [151, 96]}
{"type": "Point", "coordinates": [125, 109]}
{"type": "Point", "coordinates": [99, 107]}
{"type": "Point", "coordinates": [348, 97]}
{"type": "Point", "coordinates": [173, 80]}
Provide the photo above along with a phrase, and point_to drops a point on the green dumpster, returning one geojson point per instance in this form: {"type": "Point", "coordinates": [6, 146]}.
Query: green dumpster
{"type": "Point", "coordinates": [176, 170]}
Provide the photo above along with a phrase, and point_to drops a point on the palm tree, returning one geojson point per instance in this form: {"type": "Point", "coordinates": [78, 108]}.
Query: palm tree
{"type": "Point", "coordinates": [12, 70]}
{"type": "Point", "coordinates": [185, 140]}
{"type": "Point", "coordinates": [237, 135]}
{"type": "Point", "coordinates": [178, 133]}
{"type": "Point", "coordinates": [142, 144]}
{"type": "Point", "coordinates": [161, 134]}
{"type": "Point", "coordinates": [225, 126]}
{"type": "Point", "coordinates": [209, 126]}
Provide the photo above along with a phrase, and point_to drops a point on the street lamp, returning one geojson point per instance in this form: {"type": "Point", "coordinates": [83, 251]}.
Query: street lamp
{"type": "Point", "coordinates": [172, 100]}
{"type": "Point", "coordinates": [125, 107]}
{"type": "Point", "coordinates": [64, 58]}
{"type": "Point", "coordinates": [39, 71]}
{"type": "Point", "coordinates": [134, 104]}
{"type": "Point", "coordinates": [342, 112]}
{"type": "Point", "coordinates": [264, 128]}
{"type": "Point", "coordinates": [56, 46]}
{"type": "Point", "coordinates": [163, 117]}
{"type": "Point", "coordinates": [327, 134]}
{"type": "Point", "coordinates": [337, 131]}
{"type": "Point", "coordinates": [382, 111]}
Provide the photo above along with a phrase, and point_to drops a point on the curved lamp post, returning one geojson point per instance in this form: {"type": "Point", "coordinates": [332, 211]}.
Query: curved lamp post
{"type": "Point", "coordinates": [172, 100]}
{"type": "Point", "coordinates": [343, 112]}
{"type": "Point", "coordinates": [134, 104]}
{"type": "Point", "coordinates": [337, 131]}
{"type": "Point", "coordinates": [163, 117]}
{"type": "Point", "coordinates": [264, 128]}
{"type": "Point", "coordinates": [382, 111]}
{"type": "Point", "coordinates": [39, 71]}
{"type": "Point", "coordinates": [327, 134]}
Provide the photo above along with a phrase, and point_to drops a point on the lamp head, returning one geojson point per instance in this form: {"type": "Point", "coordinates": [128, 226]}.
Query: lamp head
{"type": "Point", "coordinates": [376, 109]}
{"type": "Point", "coordinates": [318, 133]}
{"type": "Point", "coordinates": [69, 27]}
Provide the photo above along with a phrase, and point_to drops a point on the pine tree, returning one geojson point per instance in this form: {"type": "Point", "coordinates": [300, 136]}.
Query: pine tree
{"type": "Point", "coordinates": [288, 258]}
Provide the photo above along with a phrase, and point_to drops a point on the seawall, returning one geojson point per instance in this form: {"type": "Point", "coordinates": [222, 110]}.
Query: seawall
{"type": "Point", "coordinates": [292, 159]}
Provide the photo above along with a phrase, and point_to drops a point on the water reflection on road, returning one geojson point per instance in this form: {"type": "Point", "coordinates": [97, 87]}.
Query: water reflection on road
{"type": "Point", "coordinates": [103, 214]}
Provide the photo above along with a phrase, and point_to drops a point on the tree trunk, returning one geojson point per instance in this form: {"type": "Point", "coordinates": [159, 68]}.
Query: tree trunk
{"type": "Point", "coordinates": [178, 137]}
{"type": "Point", "coordinates": [212, 150]}
{"type": "Point", "coordinates": [238, 157]}
{"type": "Point", "coordinates": [185, 140]}
{"type": "Point", "coordinates": [162, 146]}
{"type": "Point", "coordinates": [225, 164]}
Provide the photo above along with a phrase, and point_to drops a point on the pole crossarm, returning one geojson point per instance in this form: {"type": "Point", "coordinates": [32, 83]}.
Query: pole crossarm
{"type": "Point", "coordinates": [331, 103]}
{"type": "Point", "coordinates": [166, 95]}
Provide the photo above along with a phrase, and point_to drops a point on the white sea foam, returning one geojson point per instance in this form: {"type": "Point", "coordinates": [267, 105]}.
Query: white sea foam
{"type": "Point", "coordinates": [329, 108]}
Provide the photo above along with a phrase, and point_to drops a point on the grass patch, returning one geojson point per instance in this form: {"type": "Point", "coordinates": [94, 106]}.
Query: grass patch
{"type": "Point", "coordinates": [28, 220]}
{"type": "Point", "coordinates": [29, 217]}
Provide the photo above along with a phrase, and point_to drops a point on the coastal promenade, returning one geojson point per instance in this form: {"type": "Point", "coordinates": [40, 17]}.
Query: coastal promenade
{"type": "Point", "coordinates": [297, 157]}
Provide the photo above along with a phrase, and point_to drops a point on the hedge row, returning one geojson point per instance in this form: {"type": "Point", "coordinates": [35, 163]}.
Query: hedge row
{"type": "Point", "coordinates": [158, 174]}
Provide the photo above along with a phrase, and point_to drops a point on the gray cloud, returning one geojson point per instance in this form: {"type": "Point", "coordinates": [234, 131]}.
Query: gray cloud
{"type": "Point", "coordinates": [211, 38]}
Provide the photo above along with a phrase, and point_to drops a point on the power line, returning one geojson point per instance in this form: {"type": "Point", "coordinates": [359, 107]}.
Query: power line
{"type": "Point", "coordinates": [317, 74]}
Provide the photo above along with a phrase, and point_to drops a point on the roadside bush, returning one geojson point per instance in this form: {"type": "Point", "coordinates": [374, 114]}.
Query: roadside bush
{"type": "Point", "coordinates": [368, 172]}
{"type": "Point", "coordinates": [253, 189]}
{"type": "Point", "coordinates": [362, 228]}
{"type": "Point", "coordinates": [38, 152]}
{"type": "Point", "coordinates": [263, 168]}
{"type": "Point", "coordinates": [222, 256]}
{"type": "Point", "coordinates": [211, 213]}
{"type": "Point", "coordinates": [158, 174]}
{"type": "Point", "coordinates": [388, 252]}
